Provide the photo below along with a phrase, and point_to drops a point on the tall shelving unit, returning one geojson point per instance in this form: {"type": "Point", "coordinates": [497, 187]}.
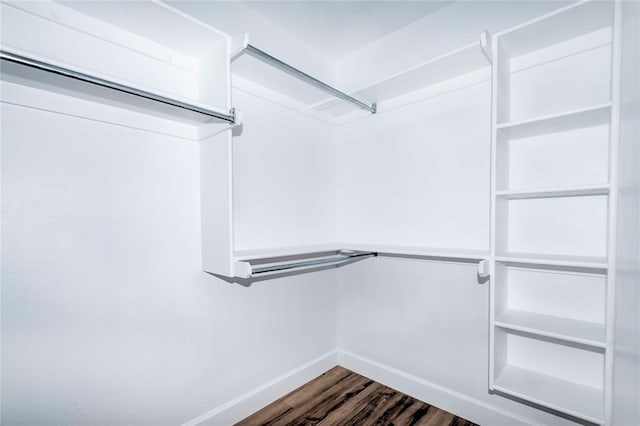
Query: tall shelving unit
{"type": "Point", "coordinates": [554, 137]}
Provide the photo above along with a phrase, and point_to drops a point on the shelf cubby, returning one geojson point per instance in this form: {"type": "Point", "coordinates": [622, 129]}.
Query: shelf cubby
{"type": "Point", "coordinates": [561, 375]}
{"type": "Point", "coordinates": [580, 401]}
{"type": "Point", "coordinates": [524, 151]}
{"type": "Point", "coordinates": [557, 226]}
{"type": "Point", "coordinates": [564, 302]}
{"type": "Point", "coordinates": [560, 62]}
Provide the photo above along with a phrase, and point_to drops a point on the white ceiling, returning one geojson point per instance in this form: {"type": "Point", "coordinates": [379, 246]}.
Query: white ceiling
{"type": "Point", "coordinates": [338, 28]}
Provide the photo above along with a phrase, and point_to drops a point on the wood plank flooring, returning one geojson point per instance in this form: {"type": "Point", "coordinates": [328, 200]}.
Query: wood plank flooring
{"type": "Point", "coordinates": [341, 397]}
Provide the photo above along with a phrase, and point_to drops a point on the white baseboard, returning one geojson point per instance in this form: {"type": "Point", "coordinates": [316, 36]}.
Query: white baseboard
{"type": "Point", "coordinates": [257, 398]}
{"type": "Point", "coordinates": [462, 405]}
{"type": "Point", "coordinates": [447, 399]}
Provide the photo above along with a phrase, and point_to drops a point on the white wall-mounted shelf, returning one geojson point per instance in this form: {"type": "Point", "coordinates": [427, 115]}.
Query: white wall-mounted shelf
{"type": "Point", "coordinates": [106, 56]}
{"type": "Point", "coordinates": [575, 191]}
{"type": "Point", "coordinates": [285, 251]}
{"type": "Point", "coordinates": [578, 400]}
{"type": "Point", "coordinates": [588, 262]}
{"type": "Point", "coordinates": [243, 258]}
{"type": "Point", "coordinates": [558, 122]}
{"type": "Point", "coordinates": [429, 252]}
{"type": "Point", "coordinates": [64, 79]}
{"type": "Point", "coordinates": [570, 330]}
{"type": "Point", "coordinates": [458, 62]}
{"type": "Point", "coordinates": [287, 90]}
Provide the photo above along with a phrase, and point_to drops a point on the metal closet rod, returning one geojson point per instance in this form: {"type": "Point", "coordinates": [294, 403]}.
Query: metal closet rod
{"type": "Point", "coordinates": [336, 260]}
{"type": "Point", "coordinates": [34, 63]}
{"type": "Point", "coordinates": [264, 56]}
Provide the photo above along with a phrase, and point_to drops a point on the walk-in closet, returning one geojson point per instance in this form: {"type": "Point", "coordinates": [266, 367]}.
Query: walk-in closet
{"type": "Point", "coordinates": [320, 213]}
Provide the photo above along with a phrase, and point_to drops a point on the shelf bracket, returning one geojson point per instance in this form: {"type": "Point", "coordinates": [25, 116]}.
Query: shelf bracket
{"type": "Point", "coordinates": [484, 269]}
{"type": "Point", "coordinates": [485, 45]}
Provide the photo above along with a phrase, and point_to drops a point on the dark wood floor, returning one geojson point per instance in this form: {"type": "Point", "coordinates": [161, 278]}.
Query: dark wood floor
{"type": "Point", "coordinates": [343, 398]}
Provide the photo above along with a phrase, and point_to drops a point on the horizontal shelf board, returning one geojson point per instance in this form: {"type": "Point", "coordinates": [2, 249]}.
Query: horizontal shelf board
{"type": "Point", "coordinates": [587, 333]}
{"type": "Point", "coordinates": [444, 253]}
{"type": "Point", "coordinates": [561, 25]}
{"type": "Point", "coordinates": [452, 64]}
{"type": "Point", "coordinates": [588, 262]}
{"type": "Point", "coordinates": [65, 85]}
{"type": "Point", "coordinates": [266, 253]}
{"type": "Point", "coordinates": [571, 398]}
{"type": "Point", "coordinates": [573, 191]}
{"type": "Point", "coordinates": [560, 122]}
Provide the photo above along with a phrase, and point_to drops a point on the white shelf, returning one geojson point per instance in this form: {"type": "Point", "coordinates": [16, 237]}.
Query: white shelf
{"type": "Point", "coordinates": [573, 191]}
{"type": "Point", "coordinates": [587, 333]}
{"type": "Point", "coordinates": [441, 253]}
{"type": "Point", "coordinates": [109, 91]}
{"type": "Point", "coordinates": [564, 24]}
{"type": "Point", "coordinates": [574, 399]}
{"type": "Point", "coordinates": [452, 64]}
{"type": "Point", "coordinates": [560, 122]}
{"type": "Point", "coordinates": [587, 262]}
{"type": "Point", "coordinates": [266, 253]}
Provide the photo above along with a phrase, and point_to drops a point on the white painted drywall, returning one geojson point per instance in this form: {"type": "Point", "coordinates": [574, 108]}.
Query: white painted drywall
{"type": "Point", "coordinates": [284, 177]}
{"type": "Point", "coordinates": [107, 318]}
{"type": "Point", "coordinates": [418, 175]}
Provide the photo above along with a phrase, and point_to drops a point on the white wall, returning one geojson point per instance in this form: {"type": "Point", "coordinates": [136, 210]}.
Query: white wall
{"type": "Point", "coordinates": [107, 318]}
{"type": "Point", "coordinates": [284, 177]}
{"type": "Point", "coordinates": [418, 175]}
{"type": "Point", "coordinates": [626, 382]}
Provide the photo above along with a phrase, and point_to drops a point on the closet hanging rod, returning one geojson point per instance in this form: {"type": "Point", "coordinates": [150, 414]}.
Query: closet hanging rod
{"type": "Point", "coordinates": [335, 260]}
{"type": "Point", "coordinates": [34, 63]}
{"type": "Point", "coordinates": [265, 57]}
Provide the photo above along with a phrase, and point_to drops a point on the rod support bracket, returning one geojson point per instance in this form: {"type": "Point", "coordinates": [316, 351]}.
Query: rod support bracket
{"type": "Point", "coordinates": [485, 45]}
{"type": "Point", "coordinates": [237, 117]}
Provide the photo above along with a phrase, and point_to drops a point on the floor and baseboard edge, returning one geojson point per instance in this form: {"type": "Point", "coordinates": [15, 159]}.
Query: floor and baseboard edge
{"type": "Point", "coordinates": [261, 396]}
{"type": "Point", "coordinates": [447, 399]}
